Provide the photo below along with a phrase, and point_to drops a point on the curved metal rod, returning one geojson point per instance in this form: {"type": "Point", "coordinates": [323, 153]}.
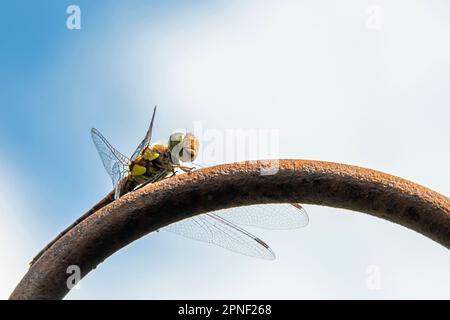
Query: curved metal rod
{"type": "Point", "coordinates": [154, 206]}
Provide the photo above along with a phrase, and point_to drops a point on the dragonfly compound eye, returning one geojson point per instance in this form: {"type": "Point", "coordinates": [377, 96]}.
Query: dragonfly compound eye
{"type": "Point", "coordinates": [176, 146]}
{"type": "Point", "coordinates": [191, 147]}
{"type": "Point", "coordinates": [175, 138]}
{"type": "Point", "coordinates": [183, 147]}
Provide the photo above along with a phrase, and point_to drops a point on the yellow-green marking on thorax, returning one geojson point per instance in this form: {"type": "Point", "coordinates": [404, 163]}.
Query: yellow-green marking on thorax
{"type": "Point", "coordinates": [138, 170]}
{"type": "Point", "coordinates": [150, 155]}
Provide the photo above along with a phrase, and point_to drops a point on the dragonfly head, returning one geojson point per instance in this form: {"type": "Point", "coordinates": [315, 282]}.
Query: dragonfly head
{"type": "Point", "coordinates": [183, 147]}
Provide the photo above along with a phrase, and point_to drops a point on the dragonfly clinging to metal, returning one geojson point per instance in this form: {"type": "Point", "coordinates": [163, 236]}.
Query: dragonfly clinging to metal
{"type": "Point", "coordinates": [154, 162]}
{"type": "Point", "coordinates": [149, 163]}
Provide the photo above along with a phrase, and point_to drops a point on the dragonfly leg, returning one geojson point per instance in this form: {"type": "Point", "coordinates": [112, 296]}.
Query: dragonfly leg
{"type": "Point", "coordinates": [186, 168]}
{"type": "Point", "coordinates": [156, 178]}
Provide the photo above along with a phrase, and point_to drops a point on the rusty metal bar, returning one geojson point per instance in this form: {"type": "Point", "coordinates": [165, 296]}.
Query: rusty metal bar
{"type": "Point", "coordinates": [154, 206]}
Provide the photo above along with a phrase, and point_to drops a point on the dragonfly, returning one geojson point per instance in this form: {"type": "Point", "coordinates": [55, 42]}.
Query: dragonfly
{"type": "Point", "coordinates": [151, 163]}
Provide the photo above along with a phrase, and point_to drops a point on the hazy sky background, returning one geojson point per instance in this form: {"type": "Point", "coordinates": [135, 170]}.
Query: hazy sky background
{"type": "Point", "coordinates": [336, 84]}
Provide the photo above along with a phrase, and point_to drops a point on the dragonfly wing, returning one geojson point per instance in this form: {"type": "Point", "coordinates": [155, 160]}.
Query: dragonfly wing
{"type": "Point", "coordinates": [214, 229]}
{"type": "Point", "coordinates": [146, 141]}
{"type": "Point", "coordinates": [267, 216]}
{"type": "Point", "coordinates": [115, 163]}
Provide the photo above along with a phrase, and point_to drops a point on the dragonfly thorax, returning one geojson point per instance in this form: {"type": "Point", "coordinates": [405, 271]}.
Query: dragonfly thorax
{"type": "Point", "coordinates": [152, 160]}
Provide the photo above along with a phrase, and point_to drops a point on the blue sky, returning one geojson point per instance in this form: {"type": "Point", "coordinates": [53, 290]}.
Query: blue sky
{"type": "Point", "coordinates": [334, 88]}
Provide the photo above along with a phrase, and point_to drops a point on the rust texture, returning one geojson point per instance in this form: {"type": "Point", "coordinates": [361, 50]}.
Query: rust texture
{"type": "Point", "coordinates": [311, 182]}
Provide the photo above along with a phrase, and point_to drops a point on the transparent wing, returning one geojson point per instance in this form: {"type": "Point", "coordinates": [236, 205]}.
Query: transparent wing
{"type": "Point", "coordinates": [214, 229]}
{"type": "Point", "coordinates": [267, 216]}
{"type": "Point", "coordinates": [148, 136]}
{"type": "Point", "coordinates": [115, 163]}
